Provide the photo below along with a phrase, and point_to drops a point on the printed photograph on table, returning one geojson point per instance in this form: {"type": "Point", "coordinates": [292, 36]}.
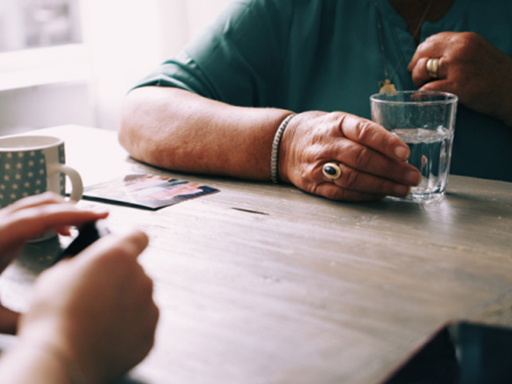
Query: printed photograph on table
{"type": "Point", "coordinates": [146, 191]}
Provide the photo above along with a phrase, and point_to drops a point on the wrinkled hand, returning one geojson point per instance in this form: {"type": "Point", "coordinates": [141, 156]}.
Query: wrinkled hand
{"type": "Point", "coordinates": [96, 309]}
{"type": "Point", "coordinates": [29, 218]}
{"type": "Point", "coordinates": [372, 160]}
{"type": "Point", "coordinates": [470, 67]}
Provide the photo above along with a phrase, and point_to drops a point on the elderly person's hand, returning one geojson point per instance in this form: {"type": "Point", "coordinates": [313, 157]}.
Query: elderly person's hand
{"type": "Point", "coordinates": [372, 160]}
{"type": "Point", "coordinates": [470, 67]}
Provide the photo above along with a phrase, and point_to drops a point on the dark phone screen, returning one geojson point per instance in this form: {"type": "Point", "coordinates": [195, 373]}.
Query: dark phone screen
{"type": "Point", "coordinates": [461, 353]}
{"type": "Point", "coordinates": [87, 235]}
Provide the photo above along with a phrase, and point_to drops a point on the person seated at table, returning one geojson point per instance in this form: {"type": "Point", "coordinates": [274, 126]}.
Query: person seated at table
{"type": "Point", "coordinates": [92, 318]}
{"type": "Point", "coordinates": [216, 107]}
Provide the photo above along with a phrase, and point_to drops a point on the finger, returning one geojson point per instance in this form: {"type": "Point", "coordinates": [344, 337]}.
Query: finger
{"type": "Point", "coordinates": [434, 46]}
{"type": "Point", "coordinates": [130, 244]}
{"type": "Point", "coordinates": [64, 231]}
{"type": "Point", "coordinates": [374, 136]}
{"type": "Point", "coordinates": [440, 85]}
{"type": "Point", "coordinates": [354, 180]}
{"type": "Point", "coordinates": [36, 200]}
{"type": "Point", "coordinates": [39, 220]}
{"type": "Point", "coordinates": [420, 75]}
{"type": "Point", "coordinates": [335, 192]}
{"type": "Point", "coordinates": [27, 223]}
{"type": "Point", "coordinates": [134, 242]}
{"type": "Point", "coordinates": [419, 72]}
{"type": "Point", "coordinates": [361, 158]}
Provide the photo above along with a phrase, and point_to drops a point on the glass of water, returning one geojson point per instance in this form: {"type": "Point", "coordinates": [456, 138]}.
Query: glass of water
{"type": "Point", "coordinates": [425, 121]}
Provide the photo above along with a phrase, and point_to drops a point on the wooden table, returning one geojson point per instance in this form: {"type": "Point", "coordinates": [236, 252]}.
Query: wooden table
{"type": "Point", "coordinates": [263, 283]}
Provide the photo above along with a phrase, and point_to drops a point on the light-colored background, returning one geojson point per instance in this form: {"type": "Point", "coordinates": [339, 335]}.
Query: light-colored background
{"type": "Point", "coordinates": [85, 84]}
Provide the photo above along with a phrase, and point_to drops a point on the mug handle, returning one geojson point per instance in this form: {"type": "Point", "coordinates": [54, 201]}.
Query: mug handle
{"type": "Point", "coordinates": [76, 181]}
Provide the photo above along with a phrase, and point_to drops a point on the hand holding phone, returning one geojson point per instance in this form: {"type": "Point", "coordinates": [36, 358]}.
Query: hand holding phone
{"type": "Point", "coordinates": [87, 234]}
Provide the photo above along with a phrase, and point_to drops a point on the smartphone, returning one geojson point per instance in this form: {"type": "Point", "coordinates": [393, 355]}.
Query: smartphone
{"type": "Point", "coordinates": [87, 234]}
{"type": "Point", "coordinates": [460, 353]}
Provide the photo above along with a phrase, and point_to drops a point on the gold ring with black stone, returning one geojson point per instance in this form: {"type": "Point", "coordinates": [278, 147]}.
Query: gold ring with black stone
{"type": "Point", "coordinates": [331, 171]}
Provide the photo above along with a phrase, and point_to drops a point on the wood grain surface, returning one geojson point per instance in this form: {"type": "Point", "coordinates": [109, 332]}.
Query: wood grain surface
{"type": "Point", "coordinates": [263, 283]}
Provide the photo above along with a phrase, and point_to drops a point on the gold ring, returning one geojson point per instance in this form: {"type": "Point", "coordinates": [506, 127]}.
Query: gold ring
{"type": "Point", "coordinates": [331, 171]}
{"type": "Point", "coordinates": [433, 67]}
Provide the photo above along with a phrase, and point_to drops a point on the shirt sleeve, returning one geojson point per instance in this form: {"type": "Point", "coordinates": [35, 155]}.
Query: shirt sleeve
{"type": "Point", "coordinates": [237, 59]}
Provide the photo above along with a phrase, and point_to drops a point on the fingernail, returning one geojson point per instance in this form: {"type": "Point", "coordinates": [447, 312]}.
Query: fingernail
{"type": "Point", "coordinates": [402, 153]}
{"type": "Point", "coordinates": [413, 177]}
{"type": "Point", "coordinates": [402, 190]}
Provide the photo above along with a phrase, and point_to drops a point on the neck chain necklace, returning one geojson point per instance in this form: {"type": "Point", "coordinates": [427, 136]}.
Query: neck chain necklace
{"type": "Point", "coordinates": [387, 85]}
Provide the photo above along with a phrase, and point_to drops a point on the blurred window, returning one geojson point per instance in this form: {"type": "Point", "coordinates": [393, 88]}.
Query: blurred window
{"type": "Point", "coordinates": [38, 23]}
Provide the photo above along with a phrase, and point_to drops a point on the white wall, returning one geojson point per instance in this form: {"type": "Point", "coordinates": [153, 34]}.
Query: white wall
{"type": "Point", "coordinates": [126, 39]}
{"type": "Point", "coordinates": [43, 106]}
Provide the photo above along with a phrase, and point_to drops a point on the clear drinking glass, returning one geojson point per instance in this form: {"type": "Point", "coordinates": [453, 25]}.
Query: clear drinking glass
{"type": "Point", "coordinates": [425, 121]}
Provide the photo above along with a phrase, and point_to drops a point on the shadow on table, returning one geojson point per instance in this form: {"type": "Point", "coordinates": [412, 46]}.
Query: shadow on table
{"type": "Point", "coordinates": [459, 353]}
{"type": "Point", "coordinates": [486, 205]}
{"type": "Point", "coordinates": [456, 202]}
{"type": "Point", "coordinates": [131, 380]}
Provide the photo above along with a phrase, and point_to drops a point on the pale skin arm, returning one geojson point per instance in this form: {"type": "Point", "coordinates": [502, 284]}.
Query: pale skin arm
{"type": "Point", "coordinates": [27, 363]}
{"type": "Point", "coordinates": [179, 130]}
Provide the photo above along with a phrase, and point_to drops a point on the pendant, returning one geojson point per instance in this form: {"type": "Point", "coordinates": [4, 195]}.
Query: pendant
{"type": "Point", "coordinates": [386, 86]}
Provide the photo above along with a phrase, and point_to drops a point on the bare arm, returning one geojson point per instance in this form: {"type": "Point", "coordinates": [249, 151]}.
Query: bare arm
{"type": "Point", "coordinates": [26, 364]}
{"type": "Point", "coordinates": [176, 129]}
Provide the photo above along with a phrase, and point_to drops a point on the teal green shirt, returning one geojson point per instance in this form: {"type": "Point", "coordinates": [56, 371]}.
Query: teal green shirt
{"type": "Point", "coordinates": [326, 55]}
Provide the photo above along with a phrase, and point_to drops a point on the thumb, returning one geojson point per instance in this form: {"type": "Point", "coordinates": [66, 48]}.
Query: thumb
{"type": "Point", "coordinates": [438, 85]}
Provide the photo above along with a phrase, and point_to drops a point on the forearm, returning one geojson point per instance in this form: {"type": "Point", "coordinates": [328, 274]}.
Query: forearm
{"type": "Point", "coordinates": [179, 130]}
{"type": "Point", "coordinates": [27, 364]}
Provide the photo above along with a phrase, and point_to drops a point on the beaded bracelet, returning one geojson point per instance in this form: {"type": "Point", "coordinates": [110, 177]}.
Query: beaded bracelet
{"type": "Point", "coordinates": [274, 156]}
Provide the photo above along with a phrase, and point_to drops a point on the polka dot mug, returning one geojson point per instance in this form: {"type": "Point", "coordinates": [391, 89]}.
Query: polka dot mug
{"type": "Point", "coordinates": [30, 165]}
